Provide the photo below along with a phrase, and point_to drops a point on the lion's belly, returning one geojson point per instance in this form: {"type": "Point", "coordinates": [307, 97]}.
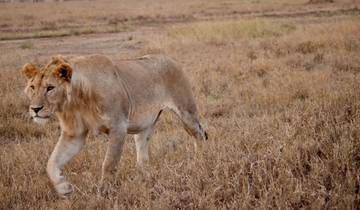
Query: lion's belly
{"type": "Point", "coordinates": [143, 119]}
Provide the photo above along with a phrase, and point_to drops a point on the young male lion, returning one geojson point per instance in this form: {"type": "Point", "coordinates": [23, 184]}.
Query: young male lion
{"type": "Point", "coordinates": [94, 93]}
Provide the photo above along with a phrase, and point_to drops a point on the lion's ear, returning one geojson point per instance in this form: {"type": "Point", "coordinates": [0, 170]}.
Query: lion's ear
{"type": "Point", "coordinates": [29, 70]}
{"type": "Point", "coordinates": [58, 59]}
{"type": "Point", "coordinates": [63, 72]}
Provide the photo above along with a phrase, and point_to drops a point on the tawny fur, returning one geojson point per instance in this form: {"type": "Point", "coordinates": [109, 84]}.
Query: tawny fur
{"type": "Point", "coordinates": [94, 93]}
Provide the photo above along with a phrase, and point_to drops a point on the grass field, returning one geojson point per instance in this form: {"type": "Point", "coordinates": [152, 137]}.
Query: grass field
{"type": "Point", "coordinates": [276, 83]}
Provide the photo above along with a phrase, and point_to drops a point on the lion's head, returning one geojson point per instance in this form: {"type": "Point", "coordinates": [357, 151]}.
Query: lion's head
{"type": "Point", "coordinates": [47, 88]}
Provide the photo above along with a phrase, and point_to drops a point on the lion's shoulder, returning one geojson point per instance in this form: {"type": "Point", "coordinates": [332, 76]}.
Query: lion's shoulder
{"type": "Point", "coordinates": [92, 60]}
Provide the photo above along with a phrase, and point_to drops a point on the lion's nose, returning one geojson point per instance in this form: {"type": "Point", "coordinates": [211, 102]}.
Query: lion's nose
{"type": "Point", "coordinates": [37, 109]}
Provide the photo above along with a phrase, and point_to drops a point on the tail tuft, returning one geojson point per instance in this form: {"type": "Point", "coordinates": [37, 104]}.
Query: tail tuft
{"type": "Point", "coordinates": [206, 135]}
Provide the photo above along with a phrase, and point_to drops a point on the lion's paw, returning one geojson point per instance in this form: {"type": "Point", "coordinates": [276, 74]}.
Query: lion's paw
{"type": "Point", "coordinates": [64, 189]}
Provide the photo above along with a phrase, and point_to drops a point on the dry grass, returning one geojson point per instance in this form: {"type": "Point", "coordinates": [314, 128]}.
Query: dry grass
{"type": "Point", "coordinates": [279, 97]}
{"type": "Point", "coordinates": [54, 19]}
{"type": "Point", "coordinates": [222, 32]}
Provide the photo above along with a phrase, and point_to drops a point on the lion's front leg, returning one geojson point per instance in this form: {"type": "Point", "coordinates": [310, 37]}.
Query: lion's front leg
{"type": "Point", "coordinates": [113, 154]}
{"type": "Point", "coordinates": [142, 146]}
{"type": "Point", "coordinates": [66, 148]}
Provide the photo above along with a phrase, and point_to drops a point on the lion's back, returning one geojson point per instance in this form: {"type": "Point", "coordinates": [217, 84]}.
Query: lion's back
{"type": "Point", "coordinates": [155, 77]}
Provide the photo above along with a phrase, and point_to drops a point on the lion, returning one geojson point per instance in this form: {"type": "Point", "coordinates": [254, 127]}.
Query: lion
{"type": "Point", "coordinates": [115, 97]}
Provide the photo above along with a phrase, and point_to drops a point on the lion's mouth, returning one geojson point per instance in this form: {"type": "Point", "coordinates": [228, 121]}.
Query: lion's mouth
{"type": "Point", "coordinates": [46, 117]}
{"type": "Point", "coordinates": [40, 120]}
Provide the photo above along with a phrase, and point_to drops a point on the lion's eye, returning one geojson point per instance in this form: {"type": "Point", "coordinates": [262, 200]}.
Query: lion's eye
{"type": "Point", "coordinates": [32, 87]}
{"type": "Point", "coordinates": [49, 88]}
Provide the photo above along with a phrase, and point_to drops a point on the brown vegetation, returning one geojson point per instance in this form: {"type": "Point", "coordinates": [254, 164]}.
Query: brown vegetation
{"type": "Point", "coordinates": [279, 96]}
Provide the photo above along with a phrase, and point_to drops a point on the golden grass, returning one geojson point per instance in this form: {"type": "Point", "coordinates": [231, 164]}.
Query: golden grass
{"type": "Point", "coordinates": [33, 20]}
{"type": "Point", "coordinates": [221, 32]}
{"type": "Point", "coordinates": [279, 98]}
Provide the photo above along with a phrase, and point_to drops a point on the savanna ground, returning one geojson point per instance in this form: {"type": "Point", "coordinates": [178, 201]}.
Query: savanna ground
{"type": "Point", "coordinates": [277, 84]}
